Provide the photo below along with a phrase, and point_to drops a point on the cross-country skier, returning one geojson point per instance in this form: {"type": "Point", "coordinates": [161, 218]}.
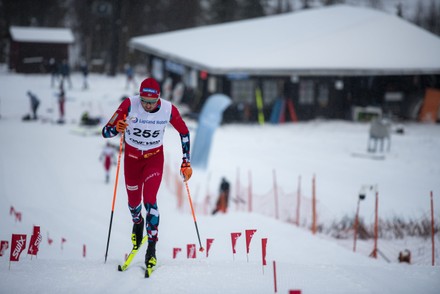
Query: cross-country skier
{"type": "Point", "coordinates": [143, 119]}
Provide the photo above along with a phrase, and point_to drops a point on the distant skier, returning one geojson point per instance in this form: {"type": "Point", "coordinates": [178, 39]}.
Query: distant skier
{"type": "Point", "coordinates": [143, 118]}
{"type": "Point", "coordinates": [108, 156]}
{"type": "Point", "coordinates": [223, 198]}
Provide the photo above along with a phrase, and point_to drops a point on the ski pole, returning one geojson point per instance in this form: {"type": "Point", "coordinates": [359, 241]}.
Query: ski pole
{"type": "Point", "coordinates": [194, 216]}
{"type": "Point", "coordinates": [114, 195]}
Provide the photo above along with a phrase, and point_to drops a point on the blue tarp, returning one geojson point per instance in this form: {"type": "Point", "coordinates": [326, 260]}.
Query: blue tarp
{"type": "Point", "coordinates": [210, 118]}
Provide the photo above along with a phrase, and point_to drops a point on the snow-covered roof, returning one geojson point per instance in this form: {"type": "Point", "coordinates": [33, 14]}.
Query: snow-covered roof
{"type": "Point", "coordinates": [331, 40]}
{"type": "Point", "coordinates": [41, 34]}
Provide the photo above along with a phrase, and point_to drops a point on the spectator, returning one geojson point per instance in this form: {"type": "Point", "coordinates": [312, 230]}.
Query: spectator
{"type": "Point", "coordinates": [223, 198]}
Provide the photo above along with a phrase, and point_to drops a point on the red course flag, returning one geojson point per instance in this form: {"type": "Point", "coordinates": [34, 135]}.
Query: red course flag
{"type": "Point", "coordinates": [234, 237]}
{"type": "Point", "coordinates": [249, 235]}
{"type": "Point", "coordinates": [175, 251]}
{"type": "Point", "coordinates": [3, 246]}
{"type": "Point", "coordinates": [208, 245]}
{"type": "Point", "coordinates": [18, 244]}
{"type": "Point", "coordinates": [35, 241]}
{"type": "Point", "coordinates": [49, 240]}
{"type": "Point", "coordinates": [191, 250]}
{"type": "Point", "coordinates": [63, 240]}
{"type": "Point", "coordinates": [18, 216]}
{"type": "Point", "coordinates": [263, 250]}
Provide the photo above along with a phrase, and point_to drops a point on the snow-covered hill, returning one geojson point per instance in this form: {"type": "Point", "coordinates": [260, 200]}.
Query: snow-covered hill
{"type": "Point", "coordinates": [53, 176]}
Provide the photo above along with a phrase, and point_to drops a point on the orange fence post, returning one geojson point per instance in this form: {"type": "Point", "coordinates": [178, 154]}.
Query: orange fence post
{"type": "Point", "coordinates": [250, 192]}
{"type": "Point", "coordinates": [376, 226]}
{"type": "Point", "coordinates": [314, 205]}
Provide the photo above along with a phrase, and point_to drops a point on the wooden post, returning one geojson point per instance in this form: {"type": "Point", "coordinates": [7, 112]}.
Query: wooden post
{"type": "Point", "coordinates": [356, 222]}
{"type": "Point", "coordinates": [313, 205]}
{"type": "Point", "coordinates": [275, 277]}
{"type": "Point", "coordinates": [432, 230]}
{"type": "Point", "coordinates": [376, 226]}
{"type": "Point", "coordinates": [275, 191]}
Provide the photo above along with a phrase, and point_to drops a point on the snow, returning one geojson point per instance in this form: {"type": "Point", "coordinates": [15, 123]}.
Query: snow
{"type": "Point", "coordinates": [312, 41]}
{"type": "Point", "coordinates": [54, 177]}
{"type": "Point", "coordinates": [41, 34]}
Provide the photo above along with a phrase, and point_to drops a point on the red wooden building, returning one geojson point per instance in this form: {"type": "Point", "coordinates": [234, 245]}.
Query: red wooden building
{"type": "Point", "coordinates": [31, 48]}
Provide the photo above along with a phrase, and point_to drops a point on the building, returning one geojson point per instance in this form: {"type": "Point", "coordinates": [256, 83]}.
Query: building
{"type": "Point", "coordinates": [325, 62]}
{"type": "Point", "coordinates": [31, 48]}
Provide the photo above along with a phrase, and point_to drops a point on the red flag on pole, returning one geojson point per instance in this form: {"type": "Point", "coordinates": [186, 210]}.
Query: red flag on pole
{"type": "Point", "coordinates": [208, 245]}
{"type": "Point", "coordinates": [175, 251]}
{"type": "Point", "coordinates": [234, 237]}
{"type": "Point", "coordinates": [49, 240]}
{"type": "Point", "coordinates": [263, 249]}
{"type": "Point", "coordinates": [3, 246]}
{"type": "Point", "coordinates": [249, 235]}
{"type": "Point", "coordinates": [191, 250]}
{"type": "Point", "coordinates": [18, 216]}
{"type": "Point", "coordinates": [35, 241]}
{"type": "Point", "coordinates": [18, 244]}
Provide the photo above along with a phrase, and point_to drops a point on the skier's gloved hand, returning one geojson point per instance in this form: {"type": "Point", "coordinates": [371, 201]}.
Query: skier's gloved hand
{"type": "Point", "coordinates": [121, 125]}
{"type": "Point", "coordinates": [186, 170]}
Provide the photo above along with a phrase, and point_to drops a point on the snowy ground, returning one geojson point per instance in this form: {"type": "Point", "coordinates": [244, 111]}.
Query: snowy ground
{"type": "Point", "coordinates": [54, 177]}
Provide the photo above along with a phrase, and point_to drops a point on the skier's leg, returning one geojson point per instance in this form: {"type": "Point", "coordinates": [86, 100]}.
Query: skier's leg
{"type": "Point", "coordinates": [132, 170]}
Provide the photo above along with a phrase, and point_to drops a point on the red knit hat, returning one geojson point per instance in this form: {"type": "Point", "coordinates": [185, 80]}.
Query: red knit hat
{"type": "Point", "coordinates": [149, 88]}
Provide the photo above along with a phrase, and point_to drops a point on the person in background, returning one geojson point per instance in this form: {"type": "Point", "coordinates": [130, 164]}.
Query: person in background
{"type": "Point", "coordinates": [108, 156]}
{"type": "Point", "coordinates": [85, 72]}
{"type": "Point", "coordinates": [142, 120]}
{"type": "Point", "coordinates": [223, 198]}
{"type": "Point", "coordinates": [61, 102]}
{"type": "Point", "coordinates": [35, 102]}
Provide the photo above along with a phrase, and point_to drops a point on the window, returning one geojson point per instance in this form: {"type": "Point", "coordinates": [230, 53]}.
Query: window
{"type": "Point", "coordinates": [306, 92]}
{"type": "Point", "coordinates": [243, 91]}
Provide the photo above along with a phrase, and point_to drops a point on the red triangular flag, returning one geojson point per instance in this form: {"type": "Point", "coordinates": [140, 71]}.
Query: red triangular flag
{"type": "Point", "coordinates": [63, 240]}
{"type": "Point", "coordinates": [35, 241]}
{"type": "Point", "coordinates": [191, 251]}
{"type": "Point", "coordinates": [3, 246]}
{"type": "Point", "coordinates": [208, 245]}
{"type": "Point", "coordinates": [249, 235]}
{"type": "Point", "coordinates": [175, 251]}
{"type": "Point", "coordinates": [49, 240]}
{"type": "Point", "coordinates": [234, 237]}
{"type": "Point", "coordinates": [18, 244]}
{"type": "Point", "coordinates": [263, 250]}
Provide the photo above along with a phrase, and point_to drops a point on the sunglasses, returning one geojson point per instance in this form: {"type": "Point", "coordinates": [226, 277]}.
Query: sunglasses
{"type": "Point", "coordinates": [148, 100]}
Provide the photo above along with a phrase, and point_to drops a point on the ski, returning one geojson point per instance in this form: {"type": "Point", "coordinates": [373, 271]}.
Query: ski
{"type": "Point", "coordinates": [131, 256]}
{"type": "Point", "coordinates": [151, 266]}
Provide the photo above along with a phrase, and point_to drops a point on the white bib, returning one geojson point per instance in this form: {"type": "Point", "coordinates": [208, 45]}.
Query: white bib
{"type": "Point", "coordinates": [145, 130]}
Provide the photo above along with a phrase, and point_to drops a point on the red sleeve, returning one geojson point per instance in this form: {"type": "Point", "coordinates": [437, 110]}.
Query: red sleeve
{"type": "Point", "coordinates": [177, 121]}
{"type": "Point", "coordinates": [109, 130]}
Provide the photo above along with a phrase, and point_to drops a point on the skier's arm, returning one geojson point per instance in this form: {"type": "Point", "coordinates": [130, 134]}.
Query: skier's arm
{"type": "Point", "coordinates": [109, 130]}
{"type": "Point", "coordinates": [178, 123]}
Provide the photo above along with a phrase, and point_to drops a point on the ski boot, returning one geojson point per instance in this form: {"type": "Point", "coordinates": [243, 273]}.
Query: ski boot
{"type": "Point", "coordinates": [137, 234]}
{"type": "Point", "coordinates": [150, 258]}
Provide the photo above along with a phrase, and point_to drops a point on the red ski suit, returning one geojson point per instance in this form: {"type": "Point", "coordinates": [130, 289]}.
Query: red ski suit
{"type": "Point", "coordinates": [143, 169]}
